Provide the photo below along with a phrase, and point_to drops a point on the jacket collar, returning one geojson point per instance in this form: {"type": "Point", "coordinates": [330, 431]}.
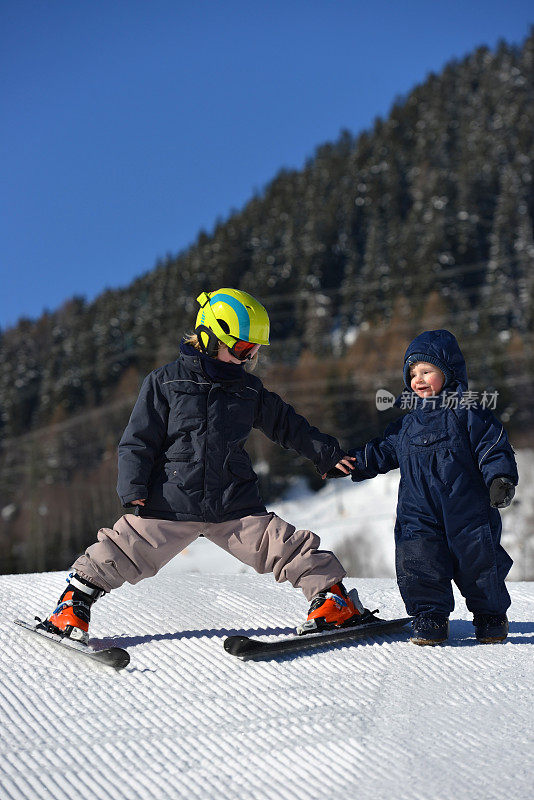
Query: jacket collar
{"type": "Point", "coordinates": [210, 368]}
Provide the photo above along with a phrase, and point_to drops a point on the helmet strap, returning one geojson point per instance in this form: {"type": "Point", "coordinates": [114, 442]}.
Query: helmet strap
{"type": "Point", "coordinates": [210, 349]}
{"type": "Point", "coordinates": [214, 324]}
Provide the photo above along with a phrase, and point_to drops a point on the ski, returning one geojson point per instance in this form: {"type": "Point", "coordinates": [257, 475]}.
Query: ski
{"type": "Point", "coordinates": [245, 648]}
{"type": "Point", "coordinates": [114, 657]}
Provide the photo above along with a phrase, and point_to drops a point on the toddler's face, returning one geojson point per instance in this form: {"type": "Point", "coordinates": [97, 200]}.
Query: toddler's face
{"type": "Point", "coordinates": [426, 379]}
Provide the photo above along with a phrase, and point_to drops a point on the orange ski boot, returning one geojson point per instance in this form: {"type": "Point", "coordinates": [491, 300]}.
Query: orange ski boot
{"type": "Point", "coordinates": [333, 608]}
{"type": "Point", "coordinates": [73, 613]}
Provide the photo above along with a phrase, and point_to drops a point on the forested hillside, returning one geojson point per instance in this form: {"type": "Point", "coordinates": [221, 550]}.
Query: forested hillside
{"type": "Point", "coordinates": [425, 221]}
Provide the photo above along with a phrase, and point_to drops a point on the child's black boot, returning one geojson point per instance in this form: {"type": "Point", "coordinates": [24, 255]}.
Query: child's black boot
{"type": "Point", "coordinates": [430, 629]}
{"type": "Point", "coordinates": [490, 628]}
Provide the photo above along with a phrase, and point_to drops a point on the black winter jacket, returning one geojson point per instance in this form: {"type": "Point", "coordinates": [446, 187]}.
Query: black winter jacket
{"type": "Point", "coordinates": [183, 448]}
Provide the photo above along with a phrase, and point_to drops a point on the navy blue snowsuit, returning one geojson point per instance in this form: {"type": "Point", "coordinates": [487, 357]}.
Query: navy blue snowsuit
{"type": "Point", "coordinates": [445, 529]}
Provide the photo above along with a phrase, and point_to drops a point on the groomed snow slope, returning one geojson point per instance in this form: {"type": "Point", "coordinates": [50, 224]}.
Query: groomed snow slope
{"type": "Point", "coordinates": [377, 719]}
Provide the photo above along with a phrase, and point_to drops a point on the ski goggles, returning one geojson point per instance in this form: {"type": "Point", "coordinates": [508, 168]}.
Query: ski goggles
{"type": "Point", "coordinates": [244, 351]}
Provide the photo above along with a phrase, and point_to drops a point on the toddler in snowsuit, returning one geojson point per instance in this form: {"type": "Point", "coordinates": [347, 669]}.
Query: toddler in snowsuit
{"type": "Point", "coordinates": [183, 466]}
{"type": "Point", "coordinates": [457, 467]}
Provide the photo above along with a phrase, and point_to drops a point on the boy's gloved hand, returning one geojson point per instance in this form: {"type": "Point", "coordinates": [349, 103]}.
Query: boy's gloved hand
{"type": "Point", "coordinates": [342, 468]}
{"type": "Point", "coordinates": [502, 491]}
{"type": "Point", "coordinates": [335, 473]}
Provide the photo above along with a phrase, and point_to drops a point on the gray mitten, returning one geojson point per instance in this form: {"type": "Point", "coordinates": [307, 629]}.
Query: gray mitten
{"type": "Point", "coordinates": [502, 491]}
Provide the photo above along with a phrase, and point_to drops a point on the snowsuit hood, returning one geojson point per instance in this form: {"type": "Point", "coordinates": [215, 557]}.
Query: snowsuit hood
{"type": "Point", "coordinates": [440, 348]}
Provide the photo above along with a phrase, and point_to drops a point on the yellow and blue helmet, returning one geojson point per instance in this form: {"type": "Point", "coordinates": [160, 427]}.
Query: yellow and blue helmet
{"type": "Point", "coordinates": [232, 317]}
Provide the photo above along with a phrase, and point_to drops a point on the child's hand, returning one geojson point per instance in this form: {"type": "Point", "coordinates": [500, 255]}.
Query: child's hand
{"type": "Point", "coordinates": [138, 502]}
{"type": "Point", "coordinates": [502, 491]}
{"type": "Point", "coordinates": [342, 468]}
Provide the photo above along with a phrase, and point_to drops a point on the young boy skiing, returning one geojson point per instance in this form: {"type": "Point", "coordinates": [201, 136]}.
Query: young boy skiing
{"type": "Point", "coordinates": [183, 466]}
{"type": "Point", "coordinates": [457, 468]}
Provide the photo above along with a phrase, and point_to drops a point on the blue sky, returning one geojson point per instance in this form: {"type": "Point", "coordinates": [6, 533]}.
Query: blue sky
{"type": "Point", "coordinates": [130, 125]}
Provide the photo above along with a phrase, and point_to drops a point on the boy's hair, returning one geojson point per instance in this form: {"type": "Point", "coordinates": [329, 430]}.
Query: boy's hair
{"type": "Point", "coordinates": [192, 340]}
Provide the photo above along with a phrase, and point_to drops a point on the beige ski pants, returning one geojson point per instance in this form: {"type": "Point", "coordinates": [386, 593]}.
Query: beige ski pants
{"type": "Point", "coordinates": [137, 547]}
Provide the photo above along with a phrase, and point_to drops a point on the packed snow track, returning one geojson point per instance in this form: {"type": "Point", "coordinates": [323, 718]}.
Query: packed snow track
{"type": "Point", "coordinates": [376, 719]}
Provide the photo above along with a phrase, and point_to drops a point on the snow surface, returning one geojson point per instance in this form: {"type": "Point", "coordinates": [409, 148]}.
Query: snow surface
{"type": "Point", "coordinates": [378, 719]}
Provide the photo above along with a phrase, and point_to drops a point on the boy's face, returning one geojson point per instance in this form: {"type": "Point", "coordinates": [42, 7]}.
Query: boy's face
{"type": "Point", "coordinates": [426, 379]}
{"type": "Point", "coordinates": [225, 355]}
